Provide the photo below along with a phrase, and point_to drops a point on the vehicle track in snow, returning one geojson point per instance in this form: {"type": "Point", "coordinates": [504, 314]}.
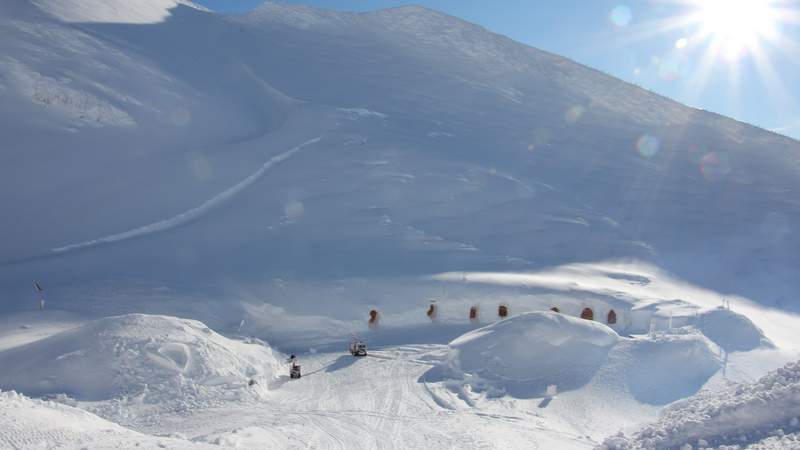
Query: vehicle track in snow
{"type": "Point", "coordinates": [363, 403]}
{"type": "Point", "coordinates": [192, 214]}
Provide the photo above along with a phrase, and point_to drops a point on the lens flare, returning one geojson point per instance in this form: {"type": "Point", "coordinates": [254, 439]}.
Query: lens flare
{"type": "Point", "coordinates": [648, 146]}
{"type": "Point", "coordinates": [708, 34]}
{"type": "Point", "coordinates": [574, 113]}
{"type": "Point", "coordinates": [672, 68]}
{"type": "Point", "coordinates": [697, 152]}
{"type": "Point", "coordinates": [621, 16]}
{"type": "Point", "coordinates": [201, 168]}
{"type": "Point", "coordinates": [715, 166]}
{"type": "Point", "coordinates": [293, 210]}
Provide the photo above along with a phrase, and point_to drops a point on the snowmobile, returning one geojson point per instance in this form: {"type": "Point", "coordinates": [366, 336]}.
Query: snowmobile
{"type": "Point", "coordinates": [294, 371]}
{"type": "Point", "coordinates": [358, 348]}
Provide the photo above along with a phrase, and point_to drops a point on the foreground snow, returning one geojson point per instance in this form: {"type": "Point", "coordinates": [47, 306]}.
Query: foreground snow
{"type": "Point", "coordinates": [760, 415]}
{"type": "Point", "coordinates": [341, 402]}
{"type": "Point", "coordinates": [136, 378]}
{"type": "Point", "coordinates": [36, 424]}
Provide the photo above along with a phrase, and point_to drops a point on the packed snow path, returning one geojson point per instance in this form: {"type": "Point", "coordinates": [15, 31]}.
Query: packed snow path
{"type": "Point", "coordinates": [353, 403]}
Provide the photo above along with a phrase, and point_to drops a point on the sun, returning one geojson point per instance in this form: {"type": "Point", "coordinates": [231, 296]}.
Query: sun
{"type": "Point", "coordinates": [736, 27]}
{"type": "Point", "coordinates": [708, 39]}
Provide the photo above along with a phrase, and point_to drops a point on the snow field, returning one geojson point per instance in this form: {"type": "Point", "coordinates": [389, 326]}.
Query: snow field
{"type": "Point", "coordinates": [163, 376]}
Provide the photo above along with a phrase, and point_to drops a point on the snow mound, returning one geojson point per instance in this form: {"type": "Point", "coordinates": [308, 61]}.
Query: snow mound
{"type": "Point", "coordinates": [154, 357]}
{"type": "Point", "coordinates": [763, 414]}
{"type": "Point", "coordinates": [731, 331]}
{"type": "Point", "coordinates": [664, 368]}
{"type": "Point", "coordinates": [110, 11]}
{"type": "Point", "coordinates": [525, 354]}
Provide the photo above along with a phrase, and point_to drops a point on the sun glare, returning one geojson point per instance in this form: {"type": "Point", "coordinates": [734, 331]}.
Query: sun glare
{"type": "Point", "coordinates": [736, 26]}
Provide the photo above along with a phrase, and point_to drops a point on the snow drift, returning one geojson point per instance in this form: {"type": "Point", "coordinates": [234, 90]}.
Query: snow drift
{"type": "Point", "coordinates": [666, 367]}
{"type": "Point", "coordinates": [731, 331]}
{"type": "Point", "coordinates": [525, 354]}
{"type": "Point", "coordinates": [154, 357]}
{"type": "Point", "coordinates": [762, 414]}
{"type": "Point", "coordinates": [47, 424]}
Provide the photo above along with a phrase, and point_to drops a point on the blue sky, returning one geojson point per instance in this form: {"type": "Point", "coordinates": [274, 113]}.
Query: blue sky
{"type": "Point", "coordinates": [740, 61]}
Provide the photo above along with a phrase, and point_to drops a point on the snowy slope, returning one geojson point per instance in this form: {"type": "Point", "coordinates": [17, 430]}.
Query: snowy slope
{"type": "Point", "coordinates": [479, 153]}
{"type": "Point", "coordinates": [48, 425]}
{"type": "Point", "coordinates": [762, 414]}
{"type": "Point", "coordinates": [83, 11]}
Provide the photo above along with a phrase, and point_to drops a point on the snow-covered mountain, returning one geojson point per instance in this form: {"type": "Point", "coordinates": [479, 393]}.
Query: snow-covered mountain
{"type": "Point", "coordinates": [278, 174]}
{"type": "Point", "coordinates": [443, 147]}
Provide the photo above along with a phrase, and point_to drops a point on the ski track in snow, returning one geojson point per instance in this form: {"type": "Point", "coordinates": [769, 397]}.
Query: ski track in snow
{"type": "Point", "coordinates": [366, 403]}
{"type": "Point", "coordinates": [192, 214]}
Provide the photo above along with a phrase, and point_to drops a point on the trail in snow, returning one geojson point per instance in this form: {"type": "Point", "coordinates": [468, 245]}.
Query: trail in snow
{"type": "Point", "coordinates": [362, 403]}
{"type": "Point", "coordinates": [194, 213]}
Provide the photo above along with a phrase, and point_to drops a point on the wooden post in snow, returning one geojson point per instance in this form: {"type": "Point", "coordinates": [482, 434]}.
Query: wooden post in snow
{"type": "Point", "coordinates": [40, 292]}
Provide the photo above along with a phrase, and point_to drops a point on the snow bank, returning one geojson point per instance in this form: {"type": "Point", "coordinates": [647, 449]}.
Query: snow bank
{"type": "Point", "coordinates": [763, 414]}
{"type": "Point", "coordinates": [525, 354]}
{"type": "Point", "coordinates": [731, 331]}
{"type": "Point", "coordinates": [154, 357]}
{"type": "Point", "coordinates": [27, 423]}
